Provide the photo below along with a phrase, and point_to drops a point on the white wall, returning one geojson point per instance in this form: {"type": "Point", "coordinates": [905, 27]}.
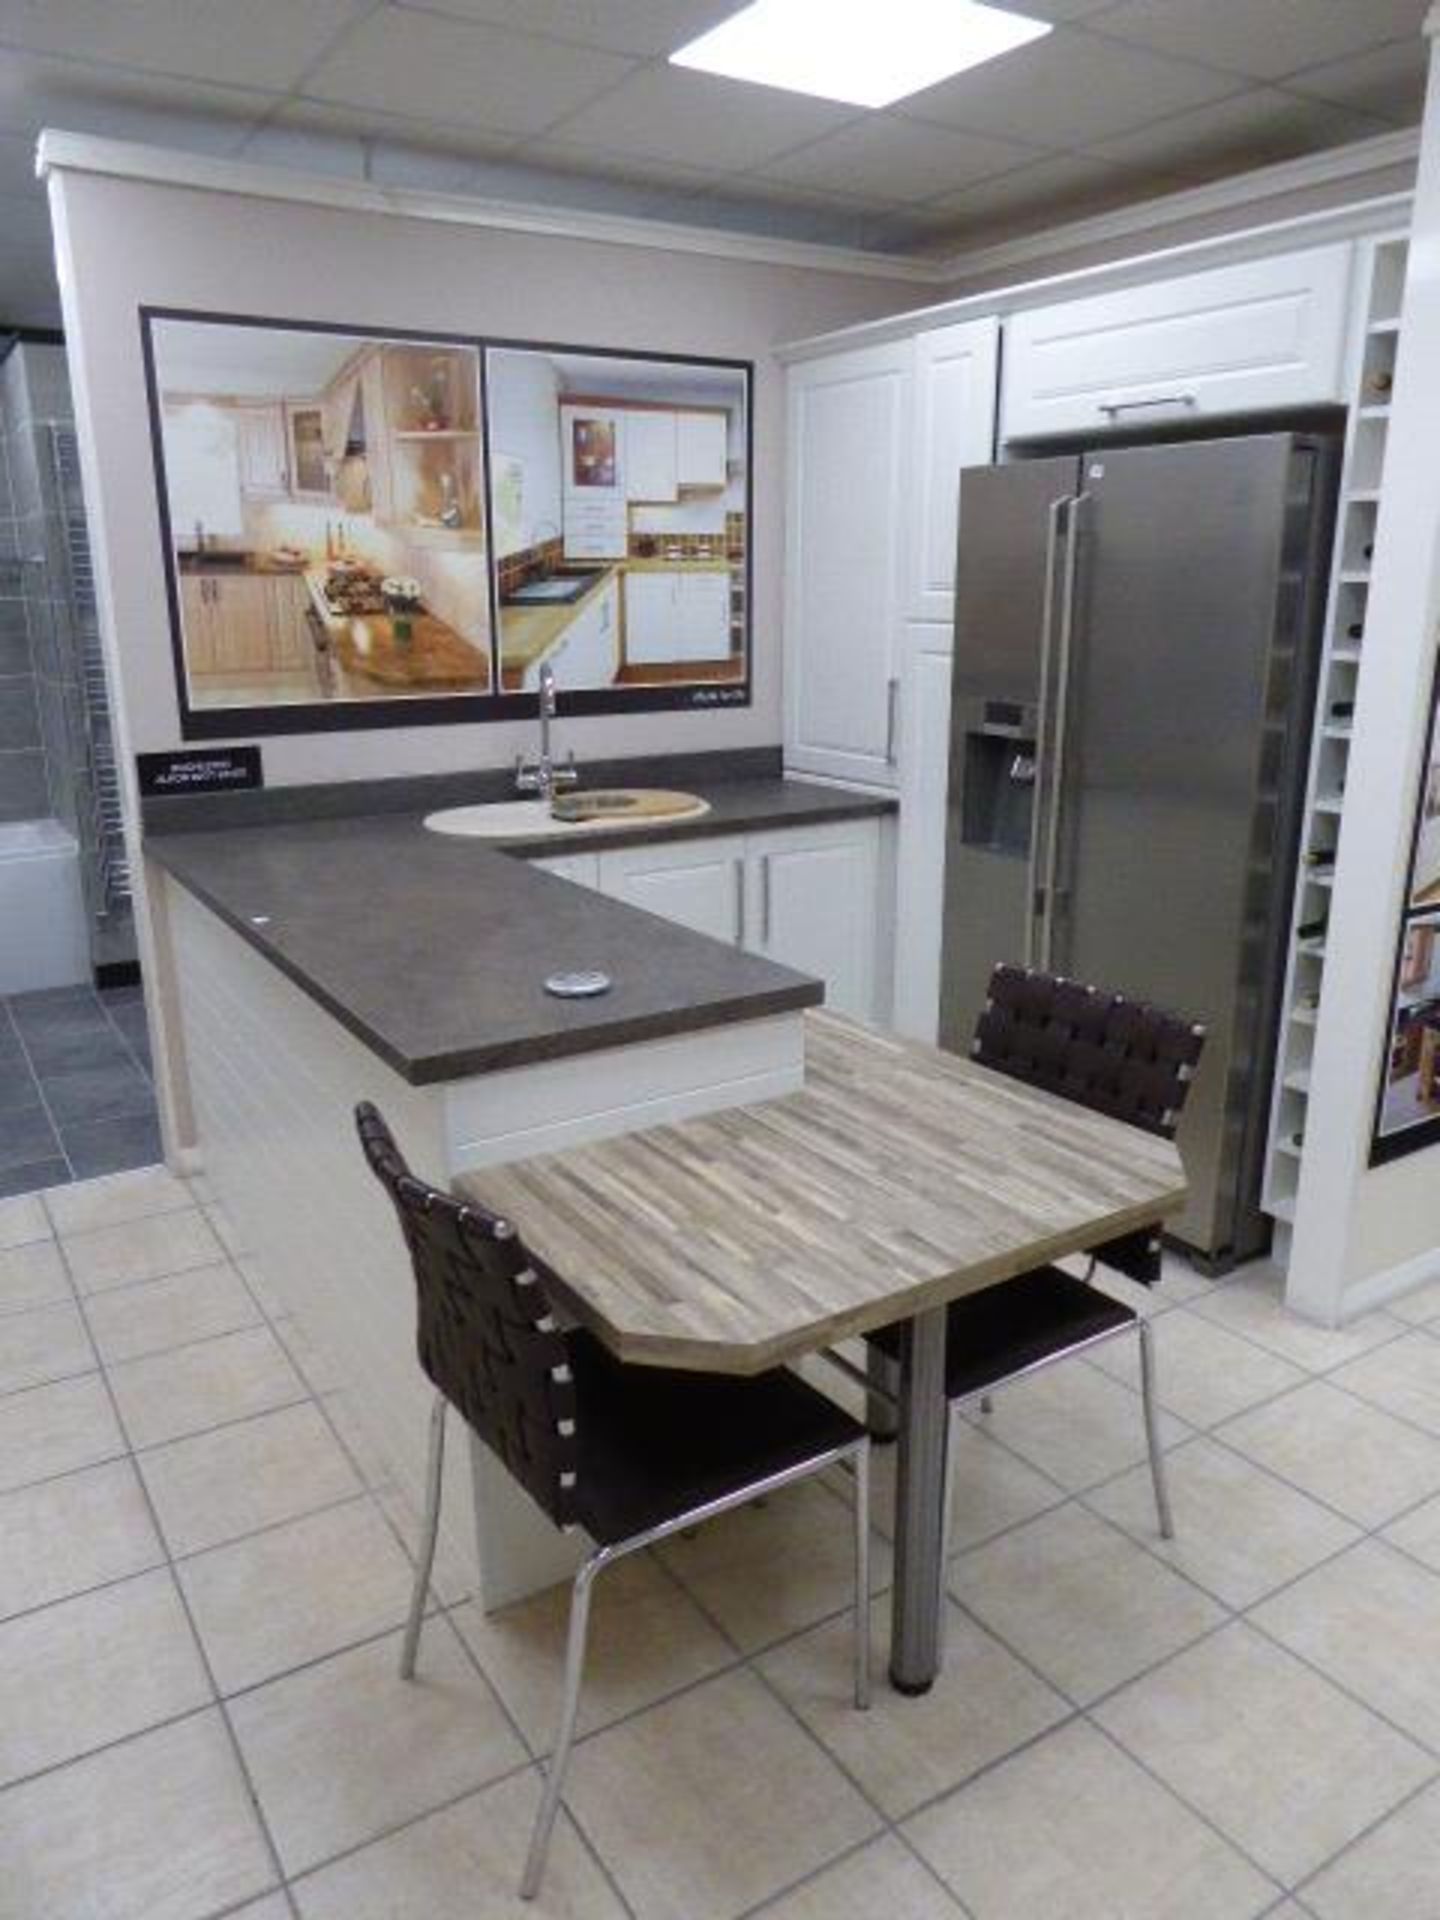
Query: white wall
{"type": "Point", "coordinates": [524, 399]}
{"type": "Point", "coordinates": [124, 243]}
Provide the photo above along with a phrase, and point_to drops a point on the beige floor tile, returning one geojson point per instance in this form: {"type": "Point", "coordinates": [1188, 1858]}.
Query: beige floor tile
{"type": "Point", "coordinates": [1403, 1377]}
{"type": "Point", "coordinates": [155, 1315]}
{"type": "Point", "coordinates": [1371, 1620]}
{"type": "Point", "coordinates": [1253, 1305]}
{"type": "Point", "coordinates": [464, 1864]}
{"type": "Point", "coordinates": [296, 1592]}
{"type": "Point", "coordinates": [1419, 1533]}
{"type": "Point", "coordinates": [225, 1230]}
{"type": "Point", "coordinates": [147, 1249]}
{"type": "Point", "coordinates": [91, 1670]}
{"type": "Point", "coordinates": [763, 1572]}
{"type": "Point", "coordinates": [158, 1828]}
{"type": "Point", "coordinates": [1392, 1874]}
{"type": "Point", "coordinates": [712, 1802]}
{"type": "Point", "coordinates": [1081, 1602]}
{"type": "Point", "coordinates": [992, 1489]}
{"type": "Point", "coordinates": [1075, 1424]}
{"type": "Point", "coordinates": [1272, 1753]}
{"type": "Point", "coordinates": [1073, 1830]}
{"type": "Point", "coordinates": [906, 1751]}
{"type": "Point", "coordinates": [32, 1276]}
{"type": "Point", "coordinates": [218, 1486]}
{"type": "Point", "coordinates": [169, 1395]}
{"type": "Point", "coordinates": [882, 1878]}
{"type": "Point", "coordinates": [116, 1199]}
{"type": "Point", "coordinates": [346, 1750]}
{"type": "Point", "coordinates": [1203, 1373]}
{"type": "Point", "coordinates": [23, 1220]}
{"type": "Point", "coordinates": [76, 1532]}
{"type": "Point", "coordinates": [315, 1364]}
{"type": "Point", "coordinates": [40, 1344]}
{"type": "Point", "coordinates": [55, 1429]}
{"type": "Point", "coordinates": [647, 1639]}
{"type": "Point", "coordinates": [1418, 1306]}
{"type": "Point", "coordinates": [1352, 1456]}
{"type": "Point", "coordinates": [273, 1907]}
{"type": "Point", "coordinates": [1239, 1532]}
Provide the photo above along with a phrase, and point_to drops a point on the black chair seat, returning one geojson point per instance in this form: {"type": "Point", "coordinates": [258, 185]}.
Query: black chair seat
{"type": "Point", "coordinates": [661, 1442]}
{"type": "Point", "coordinates": [1006, 1329]}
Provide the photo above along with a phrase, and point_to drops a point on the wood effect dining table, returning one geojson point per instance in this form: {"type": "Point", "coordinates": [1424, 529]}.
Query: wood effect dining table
{"type": "Point", "coordinates": [898, 1179]}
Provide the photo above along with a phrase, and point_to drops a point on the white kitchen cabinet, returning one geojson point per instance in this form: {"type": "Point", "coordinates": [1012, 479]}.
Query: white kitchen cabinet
{"type": "Point", "coordinates": [1246, 338]}
{"type": "Point", "coordinates": [814, 905]}
{"type": "Point", "coordinates": [700, 884]}
{"type": "Point", "coordinates": [920, 855]}
{"type": "Point", "coordinates": [650, 618]}
{"type": "Point", "coordinates": [652, 471]}
{"type": "Point", "coordinates": [701, 449]}
{"type": "Point", "coordinates": [582, 869]}
{"type": "Point", "coordinates": [264, 462]}
{"type": "Point", "coordinates": [952, 426]}
{"type": "Point", "coordinates": [677, 615]}
{"type": "Point", "coordinates": [589, 653]}
{"type": "Point", "coordinates": [703, 604]}
{"type": "Point", "coordinates": [848, 444]}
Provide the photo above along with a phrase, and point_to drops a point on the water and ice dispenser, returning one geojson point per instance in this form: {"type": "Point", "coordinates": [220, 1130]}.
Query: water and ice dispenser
{"type": "Point", "coordinates": [997, 788]}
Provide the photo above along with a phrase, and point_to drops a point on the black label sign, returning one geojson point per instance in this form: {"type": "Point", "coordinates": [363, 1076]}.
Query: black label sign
{"type": "Point", "coordinates": [199, 770]}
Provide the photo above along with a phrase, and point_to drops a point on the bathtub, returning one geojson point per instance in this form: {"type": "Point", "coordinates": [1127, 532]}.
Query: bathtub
{"type": "Point", "coordinates": [44, 940]}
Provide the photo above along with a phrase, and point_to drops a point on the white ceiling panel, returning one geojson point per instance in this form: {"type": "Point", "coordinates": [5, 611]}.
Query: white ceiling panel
{"type": "Point", "coordinates": [891, 157]}
{"type": "Point", "coordinates": [1264, 39]}
{"type": "Point", "coordinates": [252, 44]}
{"type": "Point", "coordinates": [1390, 82]}
{"type": "Point", "coordinates": [1056, 182]}
{"type": "Point", "coordinates": [1255, 129]}
{"type": "Point", "coordinates": [439, 68]}
{"type": "Point", "coordinates": [37, 92]}
{"type": "Point", "coordinates": [698, 120]}
{"type": "Point", "coordinates": [646, 28]}
{"type": "Point", "coordinates": [1067, 90]}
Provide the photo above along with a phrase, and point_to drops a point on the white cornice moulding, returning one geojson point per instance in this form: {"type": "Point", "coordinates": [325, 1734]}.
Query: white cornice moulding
{"type": "Point", "coordinates": [59, 151]}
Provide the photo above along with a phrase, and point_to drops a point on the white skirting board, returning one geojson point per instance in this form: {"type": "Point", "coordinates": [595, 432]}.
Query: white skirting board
{"type": "Point", "coordinates": [274, 1082]}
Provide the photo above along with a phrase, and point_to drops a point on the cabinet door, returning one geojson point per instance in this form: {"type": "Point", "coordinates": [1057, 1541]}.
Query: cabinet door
{"type": "Point", "coordinates": [263, 467]}
{"type": "Point", "coordinates": [589, 652]}
{"type": "Point", "coordinates": [651, 618]}
{"type": "Point", "coordinates": [651, 471]}
{"type": "Point", "coordinates": [699, 883]}
{"type": "Point", "coordinates": [848, 426]}
{"type": "Point", "coordinates": [1241, 339]}
{"type": "Point", "coordinates": [815, 907]}
{"type": "Point", "coordinates": [379, 454]}
{"type": "Point", "coordinates": [703, 609]}
{"type": "Point", "coordinates": [241, 611]}
{"type": "Point", "coordinates": [701, 449]}
{"type": "Point", "coordinates": [956, 369]}
{"type": "Point", "coordinates": [289, 635]}
{"type": "Point", "coordinates": [920, 860]}
{"type": "Point", "coordinates": [583, 869]}
{"type": "Point", "coordinates": [196, 623]}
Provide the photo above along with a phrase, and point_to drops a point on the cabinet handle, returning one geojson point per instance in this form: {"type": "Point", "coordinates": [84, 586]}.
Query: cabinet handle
{"type": "Point", "coordinates": [1114, 408]}
{"type": "Point", "coordinates": [892, 720]}
{"type": "Point", "coordinates": [739, 865]}
{"type": "Point", "coordinates": [765, 899]}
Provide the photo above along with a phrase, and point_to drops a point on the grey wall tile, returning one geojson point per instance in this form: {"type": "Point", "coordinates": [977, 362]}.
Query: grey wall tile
{"type": "Point", "coordinates": [24, 794]}
{"type": "Point", "coordinates": [14, 638]}
{"type": "Point", "coordinates": [19, 719]}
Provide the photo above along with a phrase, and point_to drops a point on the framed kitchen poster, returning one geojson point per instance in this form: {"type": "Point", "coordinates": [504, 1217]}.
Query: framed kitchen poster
{"type": "Point", "coordinates": [323, 504]}
{"type": "Point", "coordinates": [620, 497]}
{"type": "Point", "coordinates": [1407, 1113]}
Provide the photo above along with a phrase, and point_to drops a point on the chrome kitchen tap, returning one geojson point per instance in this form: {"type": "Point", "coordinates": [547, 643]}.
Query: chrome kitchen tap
{"type": "Point", "coordinates": [542, 776]}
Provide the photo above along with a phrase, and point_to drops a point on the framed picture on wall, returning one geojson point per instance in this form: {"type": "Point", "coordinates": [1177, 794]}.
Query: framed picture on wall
{"type": "Point", "coordinates": [366, 528]}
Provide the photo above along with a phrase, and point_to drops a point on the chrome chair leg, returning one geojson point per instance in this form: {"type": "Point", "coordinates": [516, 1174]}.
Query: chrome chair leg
{"type": "Point", "coordinates": [862, 1575]}
{"type": "Point", "coordinates": [565, 1732]}
{"type": "Point", "coordinates": [434, 1474]}
{"type": "Point", "coordinates": [1152, 1430]}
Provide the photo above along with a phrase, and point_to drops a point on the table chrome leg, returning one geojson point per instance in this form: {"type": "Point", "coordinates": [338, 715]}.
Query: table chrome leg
{"type": "Point", "coordinates": [919, 1496]}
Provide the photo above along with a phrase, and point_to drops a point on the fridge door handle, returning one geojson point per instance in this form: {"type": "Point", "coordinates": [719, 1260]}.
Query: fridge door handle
{"type": "Point", "coordinates": [1035, 904]}
{"type": "Point", "coordinates": [892, 726]}
{"type": "Point", "coordinates": [1051, 862]}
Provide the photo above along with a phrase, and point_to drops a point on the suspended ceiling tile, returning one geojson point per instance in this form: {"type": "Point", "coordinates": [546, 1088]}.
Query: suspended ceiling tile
{"type": "Point", "coordinates": [1263, 39]}
{"type": "Point", "coordinates": [1254, 129]}
{"type": "Point", "coordinates": [898, 160]}
{"type": "Point", "coordinates": [1390, 82]}
{"type": "Point", "coordinates": [643, 27]}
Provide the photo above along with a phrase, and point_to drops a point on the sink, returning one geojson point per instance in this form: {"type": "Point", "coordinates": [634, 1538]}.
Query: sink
{"type": "Point", "coordinates": [607, 807]}
{"type": "Point", "coordinates": [553, 589]}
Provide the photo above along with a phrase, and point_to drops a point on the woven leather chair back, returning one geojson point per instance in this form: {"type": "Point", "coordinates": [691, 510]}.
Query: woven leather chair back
{"type": "Point", "coordinates": [1117, 1056]}
{"type": "Point", "coordinates": [487, 1337]}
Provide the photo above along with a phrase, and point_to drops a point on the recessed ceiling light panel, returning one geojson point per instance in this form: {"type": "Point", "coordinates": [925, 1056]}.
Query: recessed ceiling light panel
{"type": "Point", "coordinates": [868, 53]}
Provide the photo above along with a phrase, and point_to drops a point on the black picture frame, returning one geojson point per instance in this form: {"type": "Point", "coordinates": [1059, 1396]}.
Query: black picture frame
{"type": "Point", "coordinates": [454, 709]}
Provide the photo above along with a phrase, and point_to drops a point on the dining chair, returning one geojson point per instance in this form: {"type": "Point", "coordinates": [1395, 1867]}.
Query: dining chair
{"type": "Point", "coordinates": [1116, 1056]}
{"type": "Point", "coordinates": [629, 1454]}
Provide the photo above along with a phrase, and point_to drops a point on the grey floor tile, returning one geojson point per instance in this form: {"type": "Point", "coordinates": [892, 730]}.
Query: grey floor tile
{"type": "Point", "coordinates": [113, 1146]}
{"type": "Point", "coordinates": [97, 1093]}
{"type": "Point", "coordinates": [27, 1137]}
{"type": "Point", "coordinates": [67, 1046]}
{"type": "Point", "coordinates": [33, 1178]}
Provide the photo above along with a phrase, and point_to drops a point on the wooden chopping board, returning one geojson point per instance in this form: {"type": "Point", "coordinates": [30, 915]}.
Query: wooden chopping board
{"type": "Point", "coordinates": [617, 805]}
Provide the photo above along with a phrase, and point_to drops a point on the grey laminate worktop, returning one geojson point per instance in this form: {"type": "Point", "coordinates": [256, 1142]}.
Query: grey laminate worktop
{"type": "Point", "coordinates": [433, 950]}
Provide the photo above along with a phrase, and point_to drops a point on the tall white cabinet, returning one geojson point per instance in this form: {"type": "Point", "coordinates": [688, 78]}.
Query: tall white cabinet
{"type": "Point", "coordinates": [877, 437]}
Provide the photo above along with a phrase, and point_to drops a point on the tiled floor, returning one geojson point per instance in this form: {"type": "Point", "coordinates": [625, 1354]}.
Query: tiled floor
{"type": "Point", "coordinates": [200, 1592]}
{"type": "Point", "coordinates": [76, 1097]}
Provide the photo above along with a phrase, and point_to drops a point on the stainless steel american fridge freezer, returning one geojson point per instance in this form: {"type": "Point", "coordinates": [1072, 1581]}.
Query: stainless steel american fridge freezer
{"type": "Point", "coordinates": [1137, 634]}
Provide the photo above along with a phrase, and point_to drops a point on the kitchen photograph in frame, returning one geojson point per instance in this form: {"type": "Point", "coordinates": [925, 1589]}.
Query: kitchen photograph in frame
{"type": "Point", "coordinates": [323, 501]}
{"type": "Point", "coordinates": [621, 516]}
{"type": "Point", "coordinates": [1407, 1112]}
